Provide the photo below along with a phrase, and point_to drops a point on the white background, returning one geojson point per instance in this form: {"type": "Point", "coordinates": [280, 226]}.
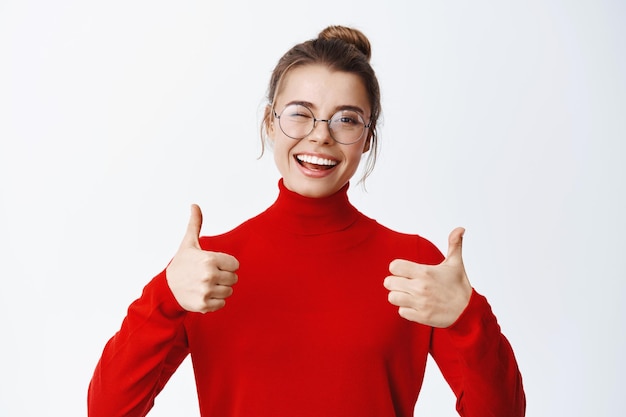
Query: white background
{"type": "Point", "coordinates": [508, 118]}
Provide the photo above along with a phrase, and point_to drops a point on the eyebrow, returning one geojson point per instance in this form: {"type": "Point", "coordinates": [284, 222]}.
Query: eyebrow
{"type": "Point", "coordinates": [338, 108]}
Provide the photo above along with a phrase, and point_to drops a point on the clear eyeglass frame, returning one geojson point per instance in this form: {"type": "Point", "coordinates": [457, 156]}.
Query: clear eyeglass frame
{"type": "Point", "coordinates": [345, 126]}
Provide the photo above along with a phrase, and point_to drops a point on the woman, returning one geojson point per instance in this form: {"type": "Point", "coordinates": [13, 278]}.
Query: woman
{"type": "Point", "coordinates": [334, 314]}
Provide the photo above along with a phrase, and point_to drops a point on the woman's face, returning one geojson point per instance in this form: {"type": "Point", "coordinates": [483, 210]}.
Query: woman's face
{"type": "Point", "coordinates": [317, 166]}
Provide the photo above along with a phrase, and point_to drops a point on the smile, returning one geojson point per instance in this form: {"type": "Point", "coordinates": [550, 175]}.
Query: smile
{"type": "Point", "coordinates": [315, 162]}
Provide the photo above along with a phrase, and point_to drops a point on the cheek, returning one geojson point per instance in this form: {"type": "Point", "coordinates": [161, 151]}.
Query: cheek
{"type": "Point", "coordinates": [356, 154]}
{"type": "Point", "coordinates": [281, 149]}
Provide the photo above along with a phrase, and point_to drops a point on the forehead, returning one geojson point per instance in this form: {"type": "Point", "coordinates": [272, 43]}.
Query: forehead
{"type": "Point", "coordinates": [324, 88]}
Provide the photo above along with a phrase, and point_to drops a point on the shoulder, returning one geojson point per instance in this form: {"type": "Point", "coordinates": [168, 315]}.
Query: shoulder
{"type": "Point", "coordinates": [410, 246]}
{"type": "Point", "coordinates": [234, 238]}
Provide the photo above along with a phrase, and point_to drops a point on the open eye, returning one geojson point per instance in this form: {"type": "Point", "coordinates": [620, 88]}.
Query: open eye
{"type": "Point", "coordinates": [347, 119]}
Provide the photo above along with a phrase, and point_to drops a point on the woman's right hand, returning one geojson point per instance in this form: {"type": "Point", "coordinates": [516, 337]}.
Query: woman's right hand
{"type": "Point", "coordinates": [200, 280]}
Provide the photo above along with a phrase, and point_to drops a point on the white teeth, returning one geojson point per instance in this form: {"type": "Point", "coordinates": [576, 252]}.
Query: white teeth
{"type": "Point", "coordinates": [310, 159]}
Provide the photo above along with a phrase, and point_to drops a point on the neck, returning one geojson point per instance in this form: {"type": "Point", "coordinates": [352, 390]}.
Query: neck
{"type": "Point", "coordinates": [311, 216]}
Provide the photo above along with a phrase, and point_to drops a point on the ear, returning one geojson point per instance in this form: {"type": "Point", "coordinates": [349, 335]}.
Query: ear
{"type": "Point", "coordinates": [268, 122]}
{"type": "Point", "coordinates": [368, 143]}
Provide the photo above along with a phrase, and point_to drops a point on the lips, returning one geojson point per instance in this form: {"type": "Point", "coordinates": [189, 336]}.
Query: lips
{"type": "Point", "coordinates": [316, 163]}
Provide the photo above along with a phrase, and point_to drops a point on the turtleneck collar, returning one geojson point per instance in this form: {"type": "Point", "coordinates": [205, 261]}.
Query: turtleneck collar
{"type": "Point", "coordinates": [312, 216]}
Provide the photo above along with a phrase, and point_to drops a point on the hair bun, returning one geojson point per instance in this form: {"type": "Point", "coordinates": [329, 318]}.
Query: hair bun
{"type": "Point", "coordinates": [349, 35]}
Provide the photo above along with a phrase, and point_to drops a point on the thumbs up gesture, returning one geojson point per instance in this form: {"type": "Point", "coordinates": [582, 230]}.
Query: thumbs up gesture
{"type": "Point", "coordinates": [200, 280]}
{"type": "Point", "coordinates": [433, 295]}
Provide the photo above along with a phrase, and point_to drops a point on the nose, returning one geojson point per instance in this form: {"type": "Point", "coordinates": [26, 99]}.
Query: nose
{"type": "Point", "coordinates": [321, 134]}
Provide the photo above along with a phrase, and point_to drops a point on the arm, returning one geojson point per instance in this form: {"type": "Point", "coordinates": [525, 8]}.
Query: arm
{"type": "Point", "coordinates": [479, 365]}
{"type": "Point", "coordinates": [141, 357]}
{"type": "Point", "coordinates": [474, 357]}
{"type": "Point", "coordinates": [151, 344]}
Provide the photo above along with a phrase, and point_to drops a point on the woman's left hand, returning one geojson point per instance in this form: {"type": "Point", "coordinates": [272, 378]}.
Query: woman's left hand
{"type": "Point", "coordinates": [433, 295]}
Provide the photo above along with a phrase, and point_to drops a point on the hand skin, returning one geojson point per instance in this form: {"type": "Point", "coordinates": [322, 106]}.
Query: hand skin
{"type": "Point", "coordinates": [200, 280]}
{"type": "Point", "coordinates": [433, 295]}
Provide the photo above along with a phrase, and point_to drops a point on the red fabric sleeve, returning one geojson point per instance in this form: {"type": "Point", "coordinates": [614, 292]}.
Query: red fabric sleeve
{"type": "Point", "coordinates": [141, 357]}
{"type": "Point", "coordinates": [479, 365]}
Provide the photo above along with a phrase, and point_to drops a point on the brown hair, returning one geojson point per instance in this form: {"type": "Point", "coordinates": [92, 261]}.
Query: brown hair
{"type": "Point", "coordinates": [341, 49]}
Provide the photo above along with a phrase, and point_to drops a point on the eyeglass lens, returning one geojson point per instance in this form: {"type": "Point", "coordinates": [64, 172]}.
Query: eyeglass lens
{"type": "Point", "coordinates": [297, 122]}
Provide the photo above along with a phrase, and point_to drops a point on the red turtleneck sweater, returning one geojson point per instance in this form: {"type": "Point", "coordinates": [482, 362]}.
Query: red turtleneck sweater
{"type": "Point", "coordinates": [308, 331]}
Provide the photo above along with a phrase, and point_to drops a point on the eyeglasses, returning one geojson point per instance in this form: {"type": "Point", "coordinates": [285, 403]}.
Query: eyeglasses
{"type": "Point", "coordinates": [297, 122]}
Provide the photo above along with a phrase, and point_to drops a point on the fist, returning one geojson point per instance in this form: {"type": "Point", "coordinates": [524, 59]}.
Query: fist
{"type": "Point", "coordinates": [200, 280]}
{"type": "Point", "coordinates": [433, 295]}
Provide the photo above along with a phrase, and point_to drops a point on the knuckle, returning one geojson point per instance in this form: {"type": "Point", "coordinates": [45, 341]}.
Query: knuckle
{"type": "Point", "coordinates": [235, 263]}
{"type": "Point", "coordinates": [421, 287]}
{"type": "Point", "coordinates": [209, 276]}
{"type": "Point", "coordinates": [394, 297]}
{"type": "Point", "coordinates": [228, 291]}
{"type": "Point", "coordinates": [427, 316]}
{"type": "Point", "coordinates": [407, 313]}
{"type": "Point", "coordinates": [209, 259]}
{"type": "Point", "coordinates": [214, 305]}
{"type": "Point", "coordinates": [399, 298]}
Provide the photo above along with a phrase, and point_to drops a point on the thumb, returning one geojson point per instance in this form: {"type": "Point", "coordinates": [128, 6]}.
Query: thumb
{"type": "Point", "coordinates": [455, 244]}
{"type": "Point", "coordinates": [191, 238]}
